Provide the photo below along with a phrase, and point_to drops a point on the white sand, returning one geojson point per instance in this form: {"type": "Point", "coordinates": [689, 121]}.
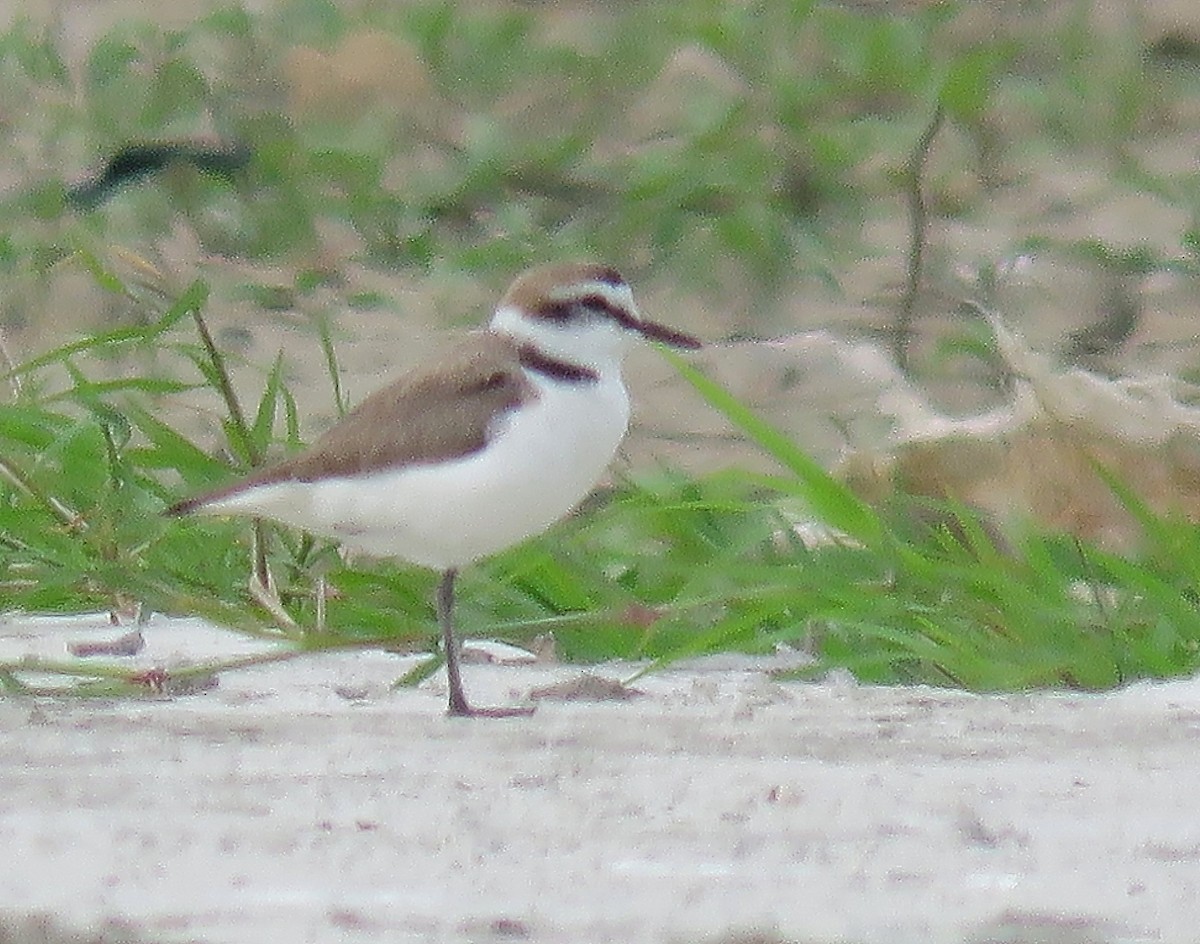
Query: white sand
{"type": "Point", "coordinates": [307, 801]}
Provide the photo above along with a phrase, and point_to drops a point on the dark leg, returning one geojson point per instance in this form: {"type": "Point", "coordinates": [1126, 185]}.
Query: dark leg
{"type": "Point", "coordinates": [458, 699]}
{"type": "Point", "coordinates": [445, 611]}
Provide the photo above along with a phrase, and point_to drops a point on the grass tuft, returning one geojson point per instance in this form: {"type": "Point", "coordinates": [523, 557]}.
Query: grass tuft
{"type": "Point", "coordinates": [739, 147]}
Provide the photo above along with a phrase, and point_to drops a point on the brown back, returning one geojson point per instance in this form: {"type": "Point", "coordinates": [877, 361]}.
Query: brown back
{"type": "Point", "coordinates": [442, 411]}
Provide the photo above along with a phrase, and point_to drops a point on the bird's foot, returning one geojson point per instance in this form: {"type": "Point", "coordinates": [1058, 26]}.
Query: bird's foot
{"type": "Point", "coordinates": [461, 709]}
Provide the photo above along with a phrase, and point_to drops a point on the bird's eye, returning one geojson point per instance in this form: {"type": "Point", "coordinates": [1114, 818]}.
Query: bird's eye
{"type": "Point", "coordinates": [597, 303]}
{"type": "Point", "coordinates": [586, 308]}
{"type": "Point", "coordinates": [556, 311]}
{"type": "Point", "coordinates": [600, 305]}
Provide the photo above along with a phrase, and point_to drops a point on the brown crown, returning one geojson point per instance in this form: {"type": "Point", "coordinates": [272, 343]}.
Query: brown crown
{"type": "Point", "coordinates": [540, 292]}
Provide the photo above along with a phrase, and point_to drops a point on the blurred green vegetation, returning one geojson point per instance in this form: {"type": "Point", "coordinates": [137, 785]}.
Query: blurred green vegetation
{"type": "Point", "coordinates": [739, 147]}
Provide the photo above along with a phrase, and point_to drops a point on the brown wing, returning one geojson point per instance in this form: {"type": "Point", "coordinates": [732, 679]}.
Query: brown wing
{"type": "Point", "coordinates": [439, 412]}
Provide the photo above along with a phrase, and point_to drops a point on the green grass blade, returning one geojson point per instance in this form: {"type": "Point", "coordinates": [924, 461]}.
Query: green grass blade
{"type": "Point", "coordinates": [193, 298]}
{"type": "Point", "coordinates": [828, 498]}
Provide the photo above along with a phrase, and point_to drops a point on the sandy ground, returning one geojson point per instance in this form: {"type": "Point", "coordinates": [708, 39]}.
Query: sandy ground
{"type": "Point", "coordinates": [308, 801]}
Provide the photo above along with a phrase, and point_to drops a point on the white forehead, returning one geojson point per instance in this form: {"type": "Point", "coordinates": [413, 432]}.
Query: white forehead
{"type": "Point", "coordinates": [618, 295]}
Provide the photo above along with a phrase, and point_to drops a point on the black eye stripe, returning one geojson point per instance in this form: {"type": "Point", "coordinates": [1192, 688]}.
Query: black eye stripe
{"type": "Point", "coordinates": [565, 311]}
{"type": "Point", "coordinates": [615, 312]}
{"type": "Point", "coordinates": [556, 311]}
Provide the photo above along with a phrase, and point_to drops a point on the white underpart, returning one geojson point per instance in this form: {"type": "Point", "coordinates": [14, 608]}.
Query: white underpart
{"type": "Point", "coordinates": [542, 459]}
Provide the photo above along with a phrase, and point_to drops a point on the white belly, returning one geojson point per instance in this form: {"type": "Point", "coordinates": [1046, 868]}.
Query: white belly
{"type": "Point", "coordinates": [543, 460]}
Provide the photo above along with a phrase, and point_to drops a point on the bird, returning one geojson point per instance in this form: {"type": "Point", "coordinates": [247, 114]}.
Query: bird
{"type": "Point", "coordinates": [474, 451]}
